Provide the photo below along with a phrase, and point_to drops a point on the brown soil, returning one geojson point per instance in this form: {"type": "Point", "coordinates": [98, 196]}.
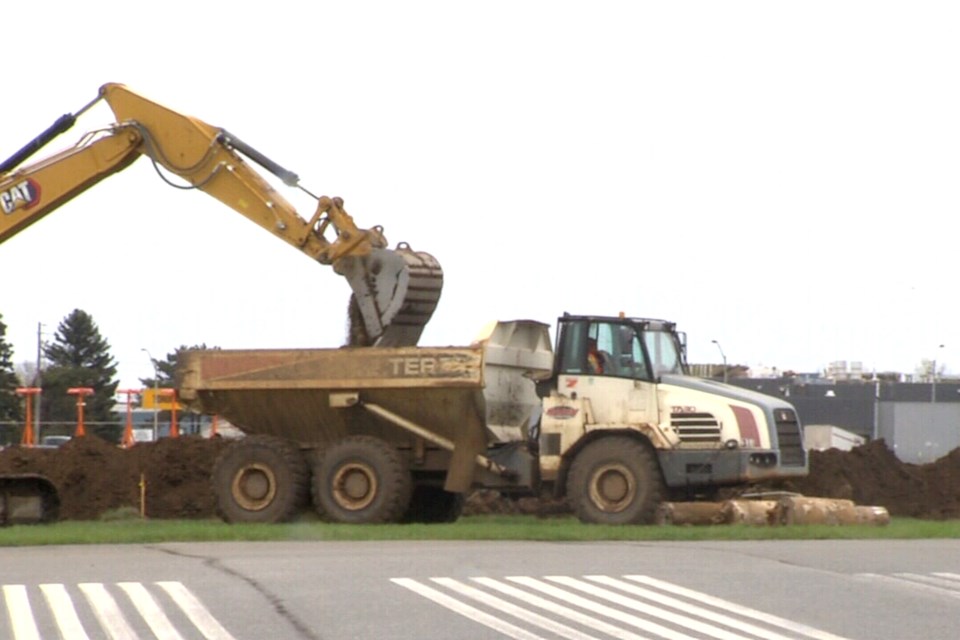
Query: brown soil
{"type": "Point", "coordinates": [872, 475]}
{"type": "Point", "coordinates": [94, 478]}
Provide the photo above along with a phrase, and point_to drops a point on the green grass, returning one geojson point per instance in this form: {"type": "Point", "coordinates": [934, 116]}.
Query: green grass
{"type": "Point", "coordinates": [128, 530]}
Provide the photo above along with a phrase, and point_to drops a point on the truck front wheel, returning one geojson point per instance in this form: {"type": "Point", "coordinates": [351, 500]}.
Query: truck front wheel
{"type": "Point", "coordinates": [361, 480]}
{"type": "Point", "coordinates": [615, 480]}
{"type": "Point", "coordinates": [260, 479]}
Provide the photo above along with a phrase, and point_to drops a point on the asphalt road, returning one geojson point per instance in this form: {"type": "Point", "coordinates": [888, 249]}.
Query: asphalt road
{"type": "Point", "coordinates": [861, 590]}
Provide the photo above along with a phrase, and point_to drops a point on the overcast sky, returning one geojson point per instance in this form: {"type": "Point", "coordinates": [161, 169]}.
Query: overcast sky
{"type": "Point", "coordinates": [779, 177]}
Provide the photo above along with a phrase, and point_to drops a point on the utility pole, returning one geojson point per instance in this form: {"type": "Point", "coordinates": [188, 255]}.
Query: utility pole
{"type": "Point", "coordinates": [38, 383]}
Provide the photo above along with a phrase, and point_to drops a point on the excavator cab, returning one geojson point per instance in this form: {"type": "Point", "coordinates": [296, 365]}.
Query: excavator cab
{"type": "Point", "coordinates": [395, 291]}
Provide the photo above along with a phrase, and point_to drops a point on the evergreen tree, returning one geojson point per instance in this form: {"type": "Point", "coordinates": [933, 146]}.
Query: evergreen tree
{"type": "Point", "coordinates": [11, 408]}
{"type": "Point", "coordinates": [79, 357]}
{"type": "Point", "coordinates": [166, 370]}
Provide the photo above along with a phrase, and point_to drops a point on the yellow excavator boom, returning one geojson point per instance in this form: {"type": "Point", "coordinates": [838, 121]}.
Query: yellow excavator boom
{"type": "Point", "coordinates": [395, 291]}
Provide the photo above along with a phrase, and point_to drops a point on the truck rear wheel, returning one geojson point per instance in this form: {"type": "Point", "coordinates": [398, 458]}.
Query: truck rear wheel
{"type": "Point", "coordinates": [260, 479]}
{"type": "Point", "coordinates": [615, 480]}
{"type": "Point", "coordinates": [361, 480]}
{"type": "Point", "coordinates": [433, 504]}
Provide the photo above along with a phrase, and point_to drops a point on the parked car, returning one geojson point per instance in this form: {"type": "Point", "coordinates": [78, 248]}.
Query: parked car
{"type": "Point", "coordinates": [53, 442]}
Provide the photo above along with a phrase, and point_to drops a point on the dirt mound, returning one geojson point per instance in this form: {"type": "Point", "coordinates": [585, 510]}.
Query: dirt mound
{"type": "Point", "coordinates": [872, 475]}
{"type": "Point", "coordinates": [94, 477]}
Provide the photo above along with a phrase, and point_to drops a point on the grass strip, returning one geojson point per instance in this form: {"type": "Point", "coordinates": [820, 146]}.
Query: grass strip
{"type": "Point", "coordinates": [136, 531]}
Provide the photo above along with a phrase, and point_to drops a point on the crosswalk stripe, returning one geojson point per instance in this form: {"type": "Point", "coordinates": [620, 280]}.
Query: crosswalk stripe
{"type": "Point", "coordinates": [901, 581]}
{"type": "Point", "coordinates": [935, 581]}
{"type": "Point", "coordinates": [715, 616]}
{"type": "Point", "coordinates": [642, 607]}
{"type": "Point", "coordinates": [467, 611]}
{"type": "Point", "coordinates": [767, 618]}
{"type": "Point", "coordinates": [147, 609]}
{"type": "Point", "coordinates": [201, 618]}
{"type": "Point", "coordinates": [21, 615]}
{"type": "Point", "coordinates": [514, 610]}
{"type": "Point", "coordinates": [610, 612]}
{"type": "Point", "coordinates": [653, 607]}
{"type": "Point", "coordinates": [949, 576]}
{"type": "Point", "coordinates": [64, 613]}
{"type": "Point", "coordinates": [107, 611]}
{"type": "Point", "coordinates": [552, 607]}
{"type": "Point", "coordinates": [150, 611]}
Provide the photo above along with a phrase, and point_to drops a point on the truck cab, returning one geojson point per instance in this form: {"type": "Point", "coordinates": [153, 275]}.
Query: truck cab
{"type": "Point", "coordinates": [622, 383]}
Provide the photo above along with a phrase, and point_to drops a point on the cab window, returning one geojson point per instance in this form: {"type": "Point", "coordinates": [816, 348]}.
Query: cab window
{"type": "Point", "coordinates": [664, 354]}
{"type": "Point", "coordinates": [603, 349]}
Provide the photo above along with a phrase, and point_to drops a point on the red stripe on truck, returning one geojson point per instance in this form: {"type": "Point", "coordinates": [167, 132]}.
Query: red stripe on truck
{"type": "Point", "coordinates": [749, 433]}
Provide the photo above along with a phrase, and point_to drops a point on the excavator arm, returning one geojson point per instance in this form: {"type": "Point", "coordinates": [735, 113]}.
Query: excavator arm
{"type": "Point", "coordinates": [395, 291]}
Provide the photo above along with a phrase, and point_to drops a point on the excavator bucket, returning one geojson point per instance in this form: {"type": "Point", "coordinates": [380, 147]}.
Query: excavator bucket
{"type": "Point", "coordinates": [27, 499]}
{"type": "Point", "coordinates": [394, 294]}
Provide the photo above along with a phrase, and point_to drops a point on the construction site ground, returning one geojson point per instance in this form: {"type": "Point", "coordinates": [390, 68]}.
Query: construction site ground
{"type": "Point", "coordinates": [94, 478]}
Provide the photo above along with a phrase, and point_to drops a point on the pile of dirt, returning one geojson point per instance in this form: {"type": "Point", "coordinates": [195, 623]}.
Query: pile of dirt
{"type": "Point", "coordinates": [94, 477]}
{"type": "Point", "coordinates": [872, 475]}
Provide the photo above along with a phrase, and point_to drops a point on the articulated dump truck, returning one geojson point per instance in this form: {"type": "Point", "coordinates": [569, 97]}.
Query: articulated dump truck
{"type": "Point", "coordinates": [609, 419]}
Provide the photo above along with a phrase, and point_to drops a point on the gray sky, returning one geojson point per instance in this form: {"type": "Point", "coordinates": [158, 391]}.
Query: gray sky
{"type": "Point", "coordinates": [780, 177]}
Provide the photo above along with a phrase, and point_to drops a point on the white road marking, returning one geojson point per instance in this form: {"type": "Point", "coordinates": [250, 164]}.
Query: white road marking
{"type": "Point", "coordinates": [107, 611]}
{"type": "Point", "coordinates": [783, 623]}
{"type": "Point", "coordinates": [195, 611]}
{"type": "Point", "coordinates": [604, 610]}
{"type": "Point", "coordinates": [933, 580]}
{"type": "Point", "coordinates": [910, 584]}
{"type": "Point", "coordinates": [642, 607]}
{"type": "Point", "coordinates": [465, 610]}
{"type": "Point", "coordinates": [589, 605]}
{"type": "Point", "coordinates": [692, 609]}
{"type": "Point", "coordinates": [64, 613]}
{"type": "Point", "coordinates": [552, 607]}
{"type": "Point", "coordinates": [21, 615]}
{"type": "Point", "coordinates": [949, 576]}
{"type": "Point", "coordinates": [518, 612]}
{"type": "Point", "coordinates": [150, 611]}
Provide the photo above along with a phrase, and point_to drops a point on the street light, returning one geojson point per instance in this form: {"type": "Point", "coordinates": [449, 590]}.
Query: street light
{"type": "Point", "coordinates": [933, 377]}
{"type": "Point", "coordinates": [722, 355]}
{"type": "Point", "coordinates": [156, 385]}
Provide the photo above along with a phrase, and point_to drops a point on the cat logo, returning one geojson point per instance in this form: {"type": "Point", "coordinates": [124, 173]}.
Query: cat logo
{"type": "Point", "coordinates": [22, 195]}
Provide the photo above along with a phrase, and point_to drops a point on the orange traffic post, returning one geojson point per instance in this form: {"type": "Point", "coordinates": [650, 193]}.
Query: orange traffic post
{"type": "Point", "coordinates": [29, 437]}
{"type": "Point", "coordinates": [127, 440]}
{"type": "Point", "coordinates": [80, 392]}
{"type": "Point", "coordinates": [172, 394]}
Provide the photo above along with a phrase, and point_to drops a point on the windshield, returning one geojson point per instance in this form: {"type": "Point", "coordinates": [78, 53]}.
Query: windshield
{"type": "Point", "coordinates": [664, 352]}
{"type": "Point", "coordinates": [626, 350]}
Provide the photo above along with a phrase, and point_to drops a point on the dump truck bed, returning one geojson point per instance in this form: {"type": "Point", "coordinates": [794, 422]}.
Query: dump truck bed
{"type": "Point", "coordinates": [432, 403]}
{"type": "Point", "coordinates": [298, 393]}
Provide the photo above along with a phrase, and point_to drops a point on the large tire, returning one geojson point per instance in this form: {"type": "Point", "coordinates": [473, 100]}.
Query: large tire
{"type": "Point", "coordinates": [615, 480]}
{"type": "Point", "coordinates": [260, 479]}
{"type": "Point", "coordinates": [432, 504]}
{"type": "Point", "coordinates": [361, 480]}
